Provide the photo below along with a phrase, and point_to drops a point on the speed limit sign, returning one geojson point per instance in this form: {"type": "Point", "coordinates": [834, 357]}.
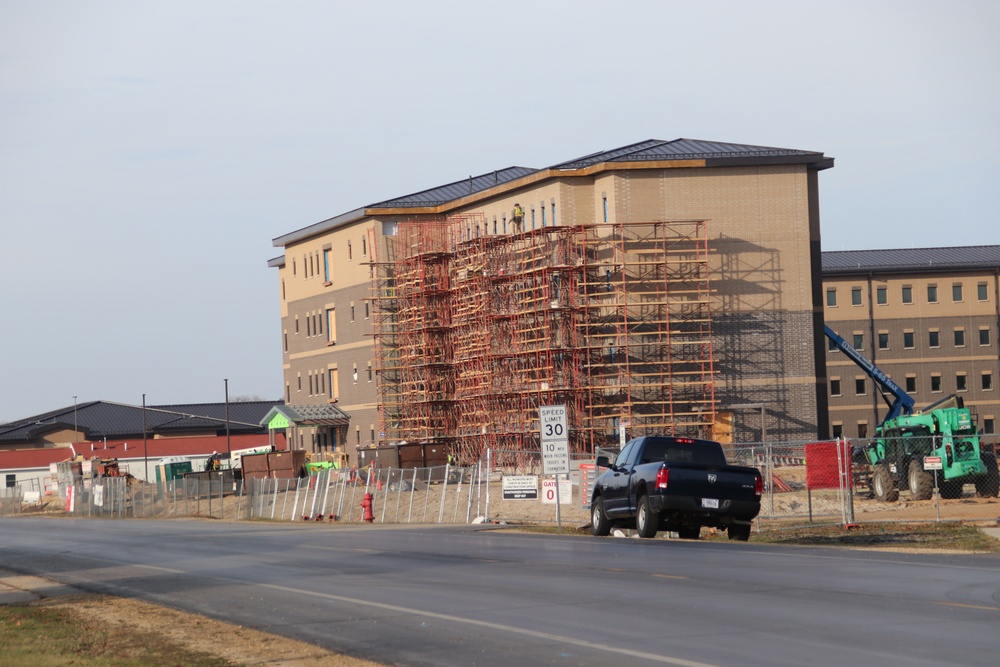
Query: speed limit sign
{"type": "Point", "coordinates": [555, 439]}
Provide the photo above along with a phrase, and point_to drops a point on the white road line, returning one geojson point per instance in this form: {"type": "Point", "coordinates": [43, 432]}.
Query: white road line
{"type": "Point", "coordinates": [653, 657]}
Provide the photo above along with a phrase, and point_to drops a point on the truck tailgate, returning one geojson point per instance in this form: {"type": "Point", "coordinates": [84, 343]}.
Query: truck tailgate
{"type": "Point", "coordinates": [720, 483]}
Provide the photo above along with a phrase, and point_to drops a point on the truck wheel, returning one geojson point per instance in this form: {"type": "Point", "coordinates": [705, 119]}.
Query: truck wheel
{"type": "Point", "coordinates": [600, 525]}
{"type": "Point", "coordinates": [988, 484]}
{"type": "Point", "coordinates": [921, 481]}
{"type": "Point", "coordinates": [689, 532]}
{"type": "Point", "coordinates": [739, 531]}
{"type": "Point", "coordinates": [645, 519]}
{"type": "Point", "coordinates": [882, 485]}
{"type": "Point", "coordinates": [951, 490]}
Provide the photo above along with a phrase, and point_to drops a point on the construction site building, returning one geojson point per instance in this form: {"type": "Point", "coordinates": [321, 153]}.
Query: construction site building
{"type": "Point", "coordinates": [662, 287]}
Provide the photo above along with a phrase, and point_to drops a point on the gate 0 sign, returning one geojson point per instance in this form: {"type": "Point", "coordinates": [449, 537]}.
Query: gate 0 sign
{"type": "Point", "coordinates": [554, 439]}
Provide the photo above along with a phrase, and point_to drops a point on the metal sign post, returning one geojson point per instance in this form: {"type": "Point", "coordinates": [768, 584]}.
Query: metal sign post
{"type": "Point", "coordinates": [935, 463]}
{"type": "Point", "coordinates": [555, 447]}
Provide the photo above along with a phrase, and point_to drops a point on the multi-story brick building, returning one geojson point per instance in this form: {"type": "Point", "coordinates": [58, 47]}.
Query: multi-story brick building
{"type": "Point", "coordinates": [929, 318]}
{"type": "Point", "coordinates": [664, 285]}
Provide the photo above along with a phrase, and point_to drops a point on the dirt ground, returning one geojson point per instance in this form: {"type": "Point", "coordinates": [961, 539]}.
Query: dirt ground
{"type": "Point", "coordinates": [239, 645]}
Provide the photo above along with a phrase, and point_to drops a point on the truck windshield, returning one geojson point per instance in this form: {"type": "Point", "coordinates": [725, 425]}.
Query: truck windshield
{"type": "Point", "coordinates": [682, 452]}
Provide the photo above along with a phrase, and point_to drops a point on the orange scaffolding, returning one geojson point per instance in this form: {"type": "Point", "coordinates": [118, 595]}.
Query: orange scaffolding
{"type": "Point", "coordinates": [475, 332]}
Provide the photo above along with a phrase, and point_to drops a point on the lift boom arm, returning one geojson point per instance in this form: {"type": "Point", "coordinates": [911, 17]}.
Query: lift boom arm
{"type": "Point", "coordinates": [901, 403]}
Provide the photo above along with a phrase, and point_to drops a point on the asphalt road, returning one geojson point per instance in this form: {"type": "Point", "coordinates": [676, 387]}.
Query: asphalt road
{"type": "Point", "coordinates": [470, 596]}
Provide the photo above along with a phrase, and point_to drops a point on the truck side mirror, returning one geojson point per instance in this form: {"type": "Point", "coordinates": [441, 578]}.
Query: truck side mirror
{"type": "Point", "coordinates": [602, 462]}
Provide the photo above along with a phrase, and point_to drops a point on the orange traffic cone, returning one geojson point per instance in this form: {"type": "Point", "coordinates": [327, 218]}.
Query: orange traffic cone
{"type": "Point", "coordinates": [379, 484]}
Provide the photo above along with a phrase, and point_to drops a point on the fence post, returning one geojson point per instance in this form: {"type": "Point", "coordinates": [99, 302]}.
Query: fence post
{"type": "Point", "coordinates": [489, 480]}
{"type": "Point", "coordinates": [413, 489]}
{"type": "Point", "coordinates": [385, 496]}
{"type": "Point", "coordinates": [444, 492]}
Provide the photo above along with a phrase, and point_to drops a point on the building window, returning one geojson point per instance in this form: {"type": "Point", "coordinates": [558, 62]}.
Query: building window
{"type": "Point", "coordinates": [364, 247]}
{"type": "Point", "coordinates": [831, 297]}
{"type": "Point", "coordinates": [334, 384]}
{"type": "Point", "coordinates": [354, 375]}
{"type": "Point", "coordinates": [369, 371]}
{"type": "Point", "coordinates": [960, 382]}
{"type": "Point", "coordinates": [299, 378]}
{"type": "Point", "coordinates": [982, 292]}
{"type": "Point", "coordinates": [533, 224]}
{"type": "Point", "coordinates": [604, 205]}
{"type": "Point", "coordinates": [11, 480]}
{"type": "Point", "coordinates": [935, 382]}
{"type": "Point", "coordinates": [883, 340]}
{"type": "Point", "coordinates": [859, 386]}
{"type": "Point", "coordinates": [838, 430]}
{"type": "Point", "coordinates": [284, 335]}
{"type": "Point", "coordinates": [296, 325]}
{"type": "Point", "coordinates": [908, 340]}
{"type": "Point", "coordinates": [543, 214]}
{"type": "Point", "coordinates": [934, 339]}
{"type": "Point", "coordinates": [911, 384]}
{"type": "Point", "coordinates": [881, 295]}
{"type": "Point", "coordinates": [988, 426]}
{"type": "Point", "coordinates": [932, 294]}
{"type": "Point", "coordinates": [350, 250]}
{"type": "Point", "coordinates": [495, 228]}
{"type": "Point", "coordinates": [331, 325]}
{"type": "Point", "coordinates": [959, 337]}
{"type": "Point", "coordinates": [907, 294]}
{"type": "Point", "coordinates": [855, 296]}
{"type": "Point", "coordinates": [956, 292]}
{"type": "Point", "coordinates": [984, 336]}
{"type": "Point", "coordinates": [987, 381]}
{"type": "Point", "coordinates": [553, 214]}
{"type": "Point", "coordinates": [831, 345]}
{"type": "Point", "coordinates": [366, 310]}
{"type": "Point", "coordinates": [859, 341]}
{"type": "Point", "coordinates": [326, 266]}
{"type": "Point", "coordinates": [352, 312]}
{"type": "Point", "coordinates": [504, 221]}
{"type": "Point", "coordinates": [862, 429]}
{"type": "Point", "coordinates": [835, 386]}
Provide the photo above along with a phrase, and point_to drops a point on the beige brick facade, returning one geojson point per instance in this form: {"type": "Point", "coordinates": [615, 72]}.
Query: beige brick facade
{"type": "Point", "coordinates": [762, 220]}
{"type": "Point", "coordinates": [934, 332]}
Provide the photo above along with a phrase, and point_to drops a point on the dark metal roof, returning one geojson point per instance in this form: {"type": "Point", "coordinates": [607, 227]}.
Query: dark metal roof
{"type": "Point", "coordinates": [715, 153]}
{"type": "Point", "coordinates": [447, 193]}
{"type": "Point", "coordinates": [902, 260]}
{"type": "Point", "coordinates": [323, 414]}
{"type": "Point", "coordinates": [100, 419]}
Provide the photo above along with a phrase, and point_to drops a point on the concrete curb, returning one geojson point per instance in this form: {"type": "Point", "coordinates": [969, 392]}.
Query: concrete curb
{"type": "Point", "coordinates": [992, 532]}
{"type": "Point", "coordinates": [25, 588]}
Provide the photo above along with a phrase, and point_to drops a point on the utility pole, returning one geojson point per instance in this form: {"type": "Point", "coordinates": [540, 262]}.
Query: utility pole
{"type": "Point", "coordinates": [229, 448]}
{"type": "Point", "coordinates": [145, 452]}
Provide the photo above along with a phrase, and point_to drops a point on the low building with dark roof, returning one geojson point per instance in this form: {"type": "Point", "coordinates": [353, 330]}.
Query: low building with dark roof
{"type": "Point", "coordinates": [130, 433]}
{"type": "Point", "coordinates": [928, 317]}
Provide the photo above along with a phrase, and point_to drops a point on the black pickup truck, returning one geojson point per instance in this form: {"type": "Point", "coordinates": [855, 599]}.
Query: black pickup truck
{"type": "Point", "coordinates": [675, 484]}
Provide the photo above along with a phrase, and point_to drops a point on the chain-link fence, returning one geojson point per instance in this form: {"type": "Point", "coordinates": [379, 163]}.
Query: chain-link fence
{"type": "Point", "coordinates": [825, 482]}
{"type": "Point", "coordinates": [11, 500]}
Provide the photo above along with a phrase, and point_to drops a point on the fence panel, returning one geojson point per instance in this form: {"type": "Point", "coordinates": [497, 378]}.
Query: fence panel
{"type": "Point", "coordinates": [823, 482]}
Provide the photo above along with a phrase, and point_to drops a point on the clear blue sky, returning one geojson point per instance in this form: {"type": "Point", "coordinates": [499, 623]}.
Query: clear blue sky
{"type": "Point", "coordinates": [150, 151]}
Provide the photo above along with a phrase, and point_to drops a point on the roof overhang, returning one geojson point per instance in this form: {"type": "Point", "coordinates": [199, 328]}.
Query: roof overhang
{"type": "Point", "coordinates": [305, 415]}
